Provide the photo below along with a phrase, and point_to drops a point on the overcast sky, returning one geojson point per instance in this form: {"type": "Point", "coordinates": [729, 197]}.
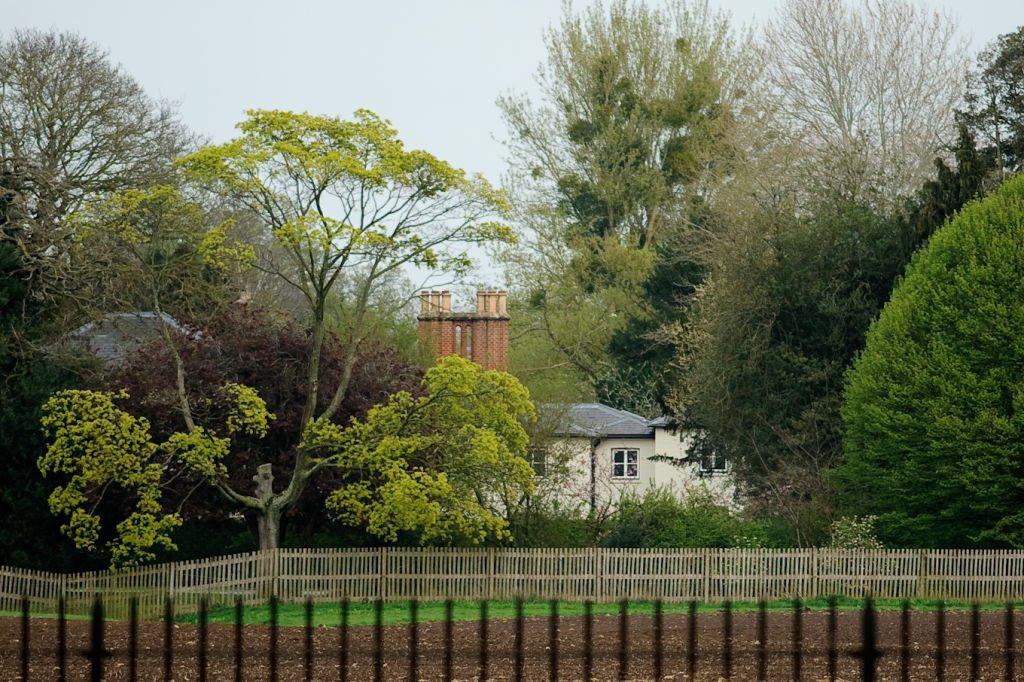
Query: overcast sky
{"type": "Point", "coordinates": [433, 67]}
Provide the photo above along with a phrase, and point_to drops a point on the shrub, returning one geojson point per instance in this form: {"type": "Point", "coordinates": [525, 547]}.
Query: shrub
{"type": "Point", "coordinates": [551, 525]}
{"type": "Point", "coordinates": [854, 532]}
{"type": "Point", "coordinates": [660, 518]}
{"type": "Point", "coordinates": [934, 405]}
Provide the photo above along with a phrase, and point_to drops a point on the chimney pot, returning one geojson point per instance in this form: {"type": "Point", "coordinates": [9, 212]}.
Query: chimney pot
{"type": "Point", "coordinates": [481, 336]}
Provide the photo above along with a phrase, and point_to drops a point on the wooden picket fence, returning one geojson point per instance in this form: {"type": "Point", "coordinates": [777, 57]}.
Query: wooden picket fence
{"type": "Point", "coordinates": [567, 574]}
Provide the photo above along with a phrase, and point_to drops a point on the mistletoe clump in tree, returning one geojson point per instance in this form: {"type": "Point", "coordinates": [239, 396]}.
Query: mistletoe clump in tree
{"type": "Point", "coordinates": [347, 206]}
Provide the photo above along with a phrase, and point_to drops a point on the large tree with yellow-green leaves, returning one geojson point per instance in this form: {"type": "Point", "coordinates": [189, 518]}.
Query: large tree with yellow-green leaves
{"type": "Point", "coordinates": [347, 206]}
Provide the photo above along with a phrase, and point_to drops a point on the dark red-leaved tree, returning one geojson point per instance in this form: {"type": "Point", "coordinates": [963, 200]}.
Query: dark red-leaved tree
{"type": "Point", "coordinates": [269, 352]}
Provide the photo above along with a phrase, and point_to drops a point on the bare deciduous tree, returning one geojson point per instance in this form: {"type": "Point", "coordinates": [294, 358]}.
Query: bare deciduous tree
{"type": "Point", "coordinates": [869, 86]}
{"type": "Point", "coordinates": [72, 125]}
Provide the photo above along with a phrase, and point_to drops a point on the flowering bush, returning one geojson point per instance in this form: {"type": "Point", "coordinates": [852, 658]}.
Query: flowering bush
{"type": "Point", "coordinates": [854, 532]}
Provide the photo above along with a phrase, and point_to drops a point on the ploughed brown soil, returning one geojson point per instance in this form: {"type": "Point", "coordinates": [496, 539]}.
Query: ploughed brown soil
{"type": "Point", "coordinates": [465, 663]}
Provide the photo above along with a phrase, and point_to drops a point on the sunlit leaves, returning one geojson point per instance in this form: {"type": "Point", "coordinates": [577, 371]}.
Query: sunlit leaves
{"type": "Point", "coordinates": [218, 251]}
{"type": "Point", "coordinates": [199, 450]}
{"type": "Point", "coordinates": [96, 448]}
{"type": "Point", "coordinates": [248, 411]}
{"type": "Point", "coordinates": [97, 445]}
{"type": "Point", "coordinates": [154, 242]}
{"type": "Point", "coordinates": [436, 466]}
{"type": "Point", "coordinates": [346, 195]}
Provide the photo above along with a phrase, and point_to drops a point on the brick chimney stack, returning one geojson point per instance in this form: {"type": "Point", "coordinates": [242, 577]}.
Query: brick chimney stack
{"type": "Point", "coordinates": [480, 336]}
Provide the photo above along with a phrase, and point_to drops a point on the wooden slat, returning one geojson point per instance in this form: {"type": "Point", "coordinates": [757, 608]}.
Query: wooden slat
{"type": "Point", "coordinates": [505, 573]}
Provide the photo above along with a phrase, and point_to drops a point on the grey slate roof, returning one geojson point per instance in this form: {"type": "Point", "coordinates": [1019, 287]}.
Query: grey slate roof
{"type": "Point", "coordinates": [592, 420]}
{"type": "Point", "coordinates": [115, 336]}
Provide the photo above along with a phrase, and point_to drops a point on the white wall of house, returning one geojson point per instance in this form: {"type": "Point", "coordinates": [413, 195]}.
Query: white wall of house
{"type": "Point", "coordinates": [689, 475]}
{"type": "Point", "coordinates": [572, 485]}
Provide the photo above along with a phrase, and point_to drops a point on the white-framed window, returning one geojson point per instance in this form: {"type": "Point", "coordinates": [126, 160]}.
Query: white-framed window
{"type": "Point", "coordinates": [539, 461]}
{"type": "Point", "coordinates": [625, 463]}
{"type": "Point", "coordinates": [713, 463]}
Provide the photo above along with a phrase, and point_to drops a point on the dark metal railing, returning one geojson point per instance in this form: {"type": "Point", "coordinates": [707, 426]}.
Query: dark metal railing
{"type": "Point", "coordinates": [868, 648]}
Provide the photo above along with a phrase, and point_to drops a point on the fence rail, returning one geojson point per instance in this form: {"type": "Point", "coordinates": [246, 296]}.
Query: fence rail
{"type": "Point", "coordinates": [591, 574]}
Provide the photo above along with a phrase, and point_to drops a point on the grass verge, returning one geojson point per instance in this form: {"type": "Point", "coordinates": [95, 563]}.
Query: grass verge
{"type": "Point", "coordinates": [397, 613]}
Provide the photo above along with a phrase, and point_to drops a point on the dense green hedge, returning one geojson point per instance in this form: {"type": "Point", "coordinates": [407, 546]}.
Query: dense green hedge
{"type": "Point", "coordinates": [934, 406]}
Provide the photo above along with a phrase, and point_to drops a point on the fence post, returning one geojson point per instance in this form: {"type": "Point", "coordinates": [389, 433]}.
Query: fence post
{"type": "Point", "coordinates": [922, 574]}
{"type": "Point", "coordinates": [706, 587]}
{"type": "Point", "coordinates": [269, 567]}
{"type": "Point", "coordinates": [382, 573]}
{"type": "Point", "coordinates": [489, 587]}
{"type": "Point", "coordinates": [276, 567]}
{"type": "Point", "coordinates": [814, 573]}
{"type": "Point", "coordinates": [170, 580]}
{"type": "Point", "coordinates": [598, 573]}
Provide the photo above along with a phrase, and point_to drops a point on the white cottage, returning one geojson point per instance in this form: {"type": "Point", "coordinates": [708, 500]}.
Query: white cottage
{"type": "Point", "coordinates": [598, 453]}
{"type": "Point", "coordinates": [591, 453]}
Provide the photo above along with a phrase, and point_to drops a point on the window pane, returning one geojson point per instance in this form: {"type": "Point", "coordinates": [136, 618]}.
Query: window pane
{"type": "Point", "coordinates": [539, 461]}
{"type": "Point", "coordinates": [624, 463]}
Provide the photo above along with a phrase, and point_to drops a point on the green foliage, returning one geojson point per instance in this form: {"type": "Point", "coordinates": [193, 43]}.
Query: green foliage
{"type": "Point", "coordinates": [660, 518]}
{"type": "Point", "coordinates": [31, 535]}
{"type": "Point", "coordinates": [551, 525]}
{"type": "Point", "coordinates": [98, 448]}
{"type": "Point", "coordinates": [794, 280]}
{"type": "Point", "coordinates": [248, 412]}
{"type": "Point", "coordinates": [438, 466]}
{"type": "Point", "coordinates": [994, 104]}
{"type": "Point", "coordinates": [289, 167]}
{"type": "Point", "coordinates": [612, 165]}
{"type": "Point", "coordinates": [854, 532]}
{"type": "Point", "coordinates": [348, 207]}
{"type": "Point", "coordinates": [934, 410]}
{"type": "Point", "coordinates": [642, 353]}
{"type": "Point", "coordinates": [762, 366]}
{"type": "Point", "coordinates": [390, 320]}
{"type": "Point", "coordinates": [154, 249]}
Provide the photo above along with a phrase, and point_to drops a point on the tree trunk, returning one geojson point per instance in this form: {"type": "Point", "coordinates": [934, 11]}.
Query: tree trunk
{"type": "Point", "coordinates": [269, 528]}
{"type": "Point", "coordinates": [270, 514]}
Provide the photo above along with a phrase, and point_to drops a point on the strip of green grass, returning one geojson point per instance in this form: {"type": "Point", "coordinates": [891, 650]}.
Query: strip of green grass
{"type": "Point", "coordinates": [397, 613]}
{"type": "Point", "coordinates": [50, 616]}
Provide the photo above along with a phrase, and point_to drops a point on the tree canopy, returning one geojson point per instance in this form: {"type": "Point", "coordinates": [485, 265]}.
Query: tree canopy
{"type": "Point", "coordinates": [73, 125]}
{"type": "Point", "coordinates": [631, 132]}
{"type": "Point", "coordinates": [441, 467]}
{"type": "Point", "coordinates": [934, 406]}
{"type": "Point", "coordinates": [348, 206]}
